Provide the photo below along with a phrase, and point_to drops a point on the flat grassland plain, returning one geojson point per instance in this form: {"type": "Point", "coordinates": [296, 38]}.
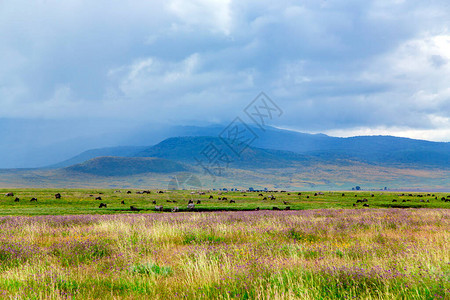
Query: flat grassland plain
{"type": "Point", "coordinates": [69, 248]}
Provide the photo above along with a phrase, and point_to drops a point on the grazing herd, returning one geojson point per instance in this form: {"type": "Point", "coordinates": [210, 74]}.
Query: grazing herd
{"type": "Point", "coordinates": [191, 205]}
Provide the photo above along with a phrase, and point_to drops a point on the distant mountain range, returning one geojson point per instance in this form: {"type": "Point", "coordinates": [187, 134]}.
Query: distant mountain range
{"type": "Point", "coordinates": [276, 157]}
{"type": "Point", "coordinates": [380, 150]}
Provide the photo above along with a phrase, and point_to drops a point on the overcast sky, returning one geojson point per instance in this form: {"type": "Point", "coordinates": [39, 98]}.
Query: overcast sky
{"type": "Point", "coordinates": [337, 67]}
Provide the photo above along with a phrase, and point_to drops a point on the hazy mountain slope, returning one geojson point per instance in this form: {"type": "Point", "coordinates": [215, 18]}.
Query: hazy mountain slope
{"type": "Point", "coordinates": [124, 151]}
{"type": "Point", "coordinates": [125, 166]}
{"type": "Point", "coordinates": [192, 149]}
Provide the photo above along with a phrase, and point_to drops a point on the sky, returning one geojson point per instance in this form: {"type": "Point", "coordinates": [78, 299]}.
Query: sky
{"type": "Point", "coordinates": [342, 68]}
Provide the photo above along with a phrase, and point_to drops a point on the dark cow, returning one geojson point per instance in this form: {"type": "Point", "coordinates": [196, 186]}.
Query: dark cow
{"type": "Point", "coordinates": [343, 194]}
{"type": "Point", "coordinates": [102, 205]}
{"type": "Point", "coordinates": [198, 201]}
{"type": "Point", "coordinates": [257, 208]}
{"type": "Point", "coordinates": [299, 194]}
{"type": "Point", "coordinates": [232, 201]}
{"type": "Point", "coordinates": [132, 208]}
{"type": "Point", "coordinates": [17, 199]}
{"type": "Point", "coordinates": [261, 195]}
{"type": "Point", "coordinates": [33, 199]}
{"type": "Point", "coordinates": [10, 194]}
{"type": "Point", "coordinates": [284, 202]}
{"type": "Point", "coordinates": [366, 205]}
{"type": "Point", "coordinates": [190, 202]}
{"type": "Point", "coordinates": [211, 197]}
{"type": "Point", "coordinates": [275, 208]}
{"type": "Point", "coordinates": [224, 198]}
{"type": "Point", "coordinates": [98, 198]}
{"type": "Point", "coordinates": [154, 202]}
{"type": "Point", "coordinates": [128, 192]}
{"type": "Point", "coordinates": [159, 208]}
{"type": "Point", "coordinates": [265, 198]}
{"type": "Point", "coordinates": [287, 208]}
{"type": "Point", "coordinates": [394, 200]}
{"type": "Point", "coordinates": [58, 196]}
{"type": "Point", "coordinates": [122, 202]}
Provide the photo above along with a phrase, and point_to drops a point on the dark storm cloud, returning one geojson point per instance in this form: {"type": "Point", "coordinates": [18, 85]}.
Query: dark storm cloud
{"type": "Point", "coordinates": [334, 66]}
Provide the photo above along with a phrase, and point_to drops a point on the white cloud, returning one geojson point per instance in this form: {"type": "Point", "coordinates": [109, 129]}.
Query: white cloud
{"type": "Point", "coordinates": [214, 15]}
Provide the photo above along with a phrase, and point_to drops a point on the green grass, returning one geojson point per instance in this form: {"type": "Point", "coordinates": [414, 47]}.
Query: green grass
{"type": "Point", "coordinates": [79, 201]}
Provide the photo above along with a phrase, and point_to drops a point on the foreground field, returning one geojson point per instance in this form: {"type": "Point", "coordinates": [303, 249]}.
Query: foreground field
{"type": "Point", "coordinates": [83, 201]}
{"type": "Point", "coordinates": [314, 254]}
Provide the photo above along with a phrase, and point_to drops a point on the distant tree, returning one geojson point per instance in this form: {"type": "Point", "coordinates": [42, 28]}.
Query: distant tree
{"type": "Point", "coordinates": [358, 187]}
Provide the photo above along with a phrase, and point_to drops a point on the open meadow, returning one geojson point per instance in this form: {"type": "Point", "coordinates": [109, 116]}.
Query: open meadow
{"type": "Point", "coordinates": [72, 249]}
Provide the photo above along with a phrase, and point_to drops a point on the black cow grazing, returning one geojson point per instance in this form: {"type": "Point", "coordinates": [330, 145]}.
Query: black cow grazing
{"type": "Point", "coordinates": [366, 205]}
{"type": "Point", "coordinates": [284, 202]}
{"type": "Point", "coordinates": [289, 194]}
{"type": "Point", "coordinates": [33, 199]}
{"type": "Point", "coordinates": [299, 194]}
{"type": "Point", "coordinates": [265, 198]}
{"type": "Point", "coordinates": [198, 201]}
{"type": "Point", "coordinates": [128, 192]}
{"type": "Point", "coordinates": [160, 192]}
{"type": "Point", "coordinates": [394, 200]}
{"type": "Point", "coordinates": [343, 194]}
{"type": "Point", "coordinates": [359, 201]}
{"type": "Point", "coordinates": [447, 200]}
{"type": "Point", "coordinates": [17, 199]}
{"type": "Point", "coordinates": [356, 195]}
{"type": "Point", "coordinates": [257, 208]}
{"type": "Point", "coordinates": [211, 197]}
{"type": "Point", "coordinates": [123, 202]}
{"type": "Point", "coordinates": [146, 192]}
{"type": "Point", "coordinates": [261, 195]}
{"type": "Point", "coordinates": [224, 198]}
{"type": "Point", "coordinates": [372, 195]}
{"type": "Point", "coordinates": [219, 198]}
{"type": "Point", "coordinates": [287, 208]}
{"type": "Point", "coordinates": [443, 198]}
{"type": "Point", "coordinates": [174, 201]}
{"type": "Point", "coordinates": [404, 200]}
{"type": "Point", "coordinates": [58, 196]}
{"type": "Point", "coordinates": [102, 205]}
{"type": "Point", "coordinates": [132, 208]}
{"type": "Point", "coordinates": [98, 198]}
{"type": "Point", "coordinates": [272, 197]}
{"type": "Point", "coordinates": [275, 208]}
{"type": "Point", "coordinates": [315, 194]}
{"type": "Point", "coordinates": [168, 201]}
{"type": "Point", "coordinates": [159, 208]}
{"type": "Point", "coordinates": [232, 201]}
{"type": "Point", "coordinates": [307, 197]}
{"type": "Point", "coordinates": [91, 195]}
{"type": "Point", "coordinates": [354, 205]}
{"type": "Point", "coordinates": [190, 202]}
{"type": "Point", "coordinates": [154, 201]}
{"type": "Point", "coordinates": [10, 194]}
